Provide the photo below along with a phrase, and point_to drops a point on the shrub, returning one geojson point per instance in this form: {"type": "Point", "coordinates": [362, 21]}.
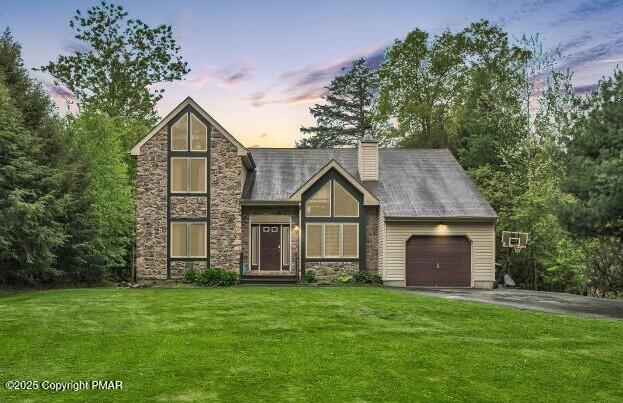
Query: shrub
{"type": "Point", "coordinates": [310, 276]}
{"type": "Point", "coordinates": [344, 279]}
{"type": "Point", "coordinates": [191, 274]}
{"type": "Point", "coordinates": [213, 276]}
{"type": "Point", "coordinates": [364, 277]}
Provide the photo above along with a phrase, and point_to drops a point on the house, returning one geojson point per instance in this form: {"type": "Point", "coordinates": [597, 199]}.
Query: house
{"type": "Point", "coordinates": [413, 216]}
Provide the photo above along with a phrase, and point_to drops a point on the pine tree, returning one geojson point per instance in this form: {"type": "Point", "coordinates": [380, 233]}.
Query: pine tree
{"type": "Point", "coordinates": [346, 115]}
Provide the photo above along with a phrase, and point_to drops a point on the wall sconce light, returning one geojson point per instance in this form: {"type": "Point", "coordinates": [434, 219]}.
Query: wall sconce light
{"type": "Point", "coordinates": [295, 229]}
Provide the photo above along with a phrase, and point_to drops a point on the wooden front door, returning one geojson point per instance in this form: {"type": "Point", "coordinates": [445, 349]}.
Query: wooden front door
{"type": "Point", "coordinates": [270, 247]}
{"type": "Point", "coordinates": [438, 261]}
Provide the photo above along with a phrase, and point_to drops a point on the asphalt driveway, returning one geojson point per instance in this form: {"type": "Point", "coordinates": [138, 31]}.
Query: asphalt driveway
{"type": "Point", "coordinates": [553, 302]}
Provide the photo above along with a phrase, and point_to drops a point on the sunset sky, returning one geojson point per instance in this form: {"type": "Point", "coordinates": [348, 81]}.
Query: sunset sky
{"type": "Point", "coordinates": [258, 66]}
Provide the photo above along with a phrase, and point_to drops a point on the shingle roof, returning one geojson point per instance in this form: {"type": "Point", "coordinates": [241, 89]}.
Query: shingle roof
{"type": "Point", "coordinates": [412, 182]}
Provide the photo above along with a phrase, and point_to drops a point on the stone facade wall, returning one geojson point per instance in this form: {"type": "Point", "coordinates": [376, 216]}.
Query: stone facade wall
{"type": "Point", "coordinates": [372, 245]}
{"type": "Point", "coordinates": [151, 208]}
{"type": "Point", "coordinates": [188, 206]}
{"type": "Point", "coordinates": [178, 268]}
{"type": "Point", "coordinates": [225, 211]}
{"type": "Point", "coordinates": [292, 211]}
{"type": "Point", "coordinates": [328, 271]}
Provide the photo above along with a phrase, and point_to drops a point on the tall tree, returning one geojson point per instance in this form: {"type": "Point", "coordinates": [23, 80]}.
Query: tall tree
{"type": "Point", "coordinates": [595, 162]}
{"type": "Point", "coordinates": [124, 60]}
{"type": "Point", "coordinates": [346, 114]}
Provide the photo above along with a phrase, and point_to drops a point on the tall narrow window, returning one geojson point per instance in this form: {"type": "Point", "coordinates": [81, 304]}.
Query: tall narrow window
{"type": "Point", "coordinates": [345, 205]}
{"type": "Point", "coordinates": [198, 134]}
{"type": "Point", "coordinates": [255, 245]}
{"type": "Point", "coordinates": [198, 175]}
{"type": "Point", "coordinates": [319, 205]}
{"type": "Point", "coordinates": [350, 240]}
{"type": "Point", "coordinates": [314, 240]}
{"type": "Point", "coordinates": [179, 175]}
{"type": "Point", "coordinates": [197, 240]}
{"type": "Point", "coordinates": [285, 246]}
{"type": "Point", "coordinates": [178, 240]}
{"type": "Point", "coordinates": [332, 240]}
{"type": "Point", "coordinates": [179, 134]}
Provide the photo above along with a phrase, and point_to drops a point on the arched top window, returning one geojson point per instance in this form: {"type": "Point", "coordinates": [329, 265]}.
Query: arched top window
{"type": "Point", "coordinates": [187, 124]}
{"type": "Point", "coordinates": [332, 200]}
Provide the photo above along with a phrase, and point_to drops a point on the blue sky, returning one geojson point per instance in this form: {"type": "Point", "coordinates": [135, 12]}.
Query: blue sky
{"type": "Point", "coordinates": [257, 66]}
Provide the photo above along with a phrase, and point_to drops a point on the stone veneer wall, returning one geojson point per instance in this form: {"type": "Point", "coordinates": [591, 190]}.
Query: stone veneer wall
{"type": "Point", "coordinates": [328, 271]}
{"type": "Point", "coordinates": [225, 211]}
{"type": "Point", "coordinates": [292, 211]}
{"type": "Point", "coordinates": [188, 206]}
{"type": "Point", "coordinates": [178, 268]}
{"type": "Point", "coordinates": [151, 208]}
{"type": "Point", "coordinates": [372, 245]}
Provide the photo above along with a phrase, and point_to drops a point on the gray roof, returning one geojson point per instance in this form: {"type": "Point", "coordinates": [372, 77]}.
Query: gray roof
{"type": "Point", "coordinates": [412, 182]}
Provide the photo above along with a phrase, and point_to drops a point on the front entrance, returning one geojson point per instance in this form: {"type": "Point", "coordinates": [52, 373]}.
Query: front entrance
{"type": "Point", "coordinates": [270, 247]}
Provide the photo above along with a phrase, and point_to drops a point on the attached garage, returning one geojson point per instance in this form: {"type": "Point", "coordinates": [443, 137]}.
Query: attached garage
{"type": "Point", "coordinates": [438, 261]}
{"type": "Point", "coordinates": [436, 253]}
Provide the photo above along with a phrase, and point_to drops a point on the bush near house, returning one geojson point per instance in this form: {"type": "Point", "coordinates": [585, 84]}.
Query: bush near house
{"type": "Point", "coordinates": [213, 276]}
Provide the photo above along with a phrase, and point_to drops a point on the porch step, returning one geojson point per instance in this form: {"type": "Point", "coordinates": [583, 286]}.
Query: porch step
{"type": "Point", "coordinates": [268, 279]}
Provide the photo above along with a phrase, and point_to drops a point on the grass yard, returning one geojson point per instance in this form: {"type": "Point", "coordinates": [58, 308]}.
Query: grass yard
{"type": "Point", "coordinates": [302, 344]}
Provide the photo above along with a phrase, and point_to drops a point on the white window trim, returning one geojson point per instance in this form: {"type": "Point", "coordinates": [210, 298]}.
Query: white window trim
{"type": "Point", "coordinates": [188, 224]}
{"type": "Point", "coordinates": [349, 195]}
{"type": "Point", "coordinates": [190, 133]}
{"type": "Point", "coordinates": [356, 256]}
{"type": "Point", "coordinates": [187, 134]}
{"type": "Point", "coordinates": [307, 225]}
{"type": "Point", "coordinates": [330, 183]}
{"type": "Point", "coordinates": [188, 170]}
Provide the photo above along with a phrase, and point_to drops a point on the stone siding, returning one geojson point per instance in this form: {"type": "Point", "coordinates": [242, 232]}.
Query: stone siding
{"type": "Point", "coordinates": [225, 211]}
{"type": "Point", "coordinates": [151, 208]}
{"type": "Point", "coordinates": [372, 245]}
{"type": "Point", "coordinates": [178, 268]}
{"type": "Point", "coordinates": [189, 207]}
{"type": "Point", "coordinates": [291, 211]}
{"type": "Point", "coordinates": [328, 271]}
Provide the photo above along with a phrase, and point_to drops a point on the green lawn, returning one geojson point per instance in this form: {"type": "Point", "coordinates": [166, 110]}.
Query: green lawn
{"type": "Point", "coordinates": [302, 344]}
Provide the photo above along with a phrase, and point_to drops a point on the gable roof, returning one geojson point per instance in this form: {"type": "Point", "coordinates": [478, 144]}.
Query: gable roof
{"type": "Point", "coordinates": [368, 198]}
{"type": "Point", "coordinates": [136, 150]}
{"type": "Point", "coordinates": [413, 183]}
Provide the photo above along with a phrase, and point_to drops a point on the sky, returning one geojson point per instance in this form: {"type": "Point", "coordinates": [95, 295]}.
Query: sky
{"type": "Point", "coordinates": [258, 66]}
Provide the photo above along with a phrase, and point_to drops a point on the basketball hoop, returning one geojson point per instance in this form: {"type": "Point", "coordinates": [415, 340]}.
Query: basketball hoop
{"type": "Point", "coordinates": [514, 240]}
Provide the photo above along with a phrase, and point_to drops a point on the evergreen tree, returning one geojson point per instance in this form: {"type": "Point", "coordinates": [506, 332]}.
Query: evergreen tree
{"type": "Point", "coordinates": [346, 114]}
{"type": "Point", "coordinates": [595, 163]}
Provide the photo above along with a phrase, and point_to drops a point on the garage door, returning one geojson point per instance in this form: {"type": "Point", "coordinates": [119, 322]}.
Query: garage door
{"type": "Point", "coordinates": [438, 261]}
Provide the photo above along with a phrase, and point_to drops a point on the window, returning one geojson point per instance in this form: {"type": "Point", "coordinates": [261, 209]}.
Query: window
{"type": "Point", "coordinates": [179, 134]}
{"type": "Point", "coordinates": [198, 134]}
{"type": "Point", "coordinates": [285, 249]}
{"type": "Point", "coordinates": [314, 240]}
{"type": "Point", "coordinates": [255, 244]}
{"type": "Point", "coordinates": [350, 240]}
{"type": "Point", "coordinates": [188, 239]}
{"type": "Point", "coordinates": [345, 205]}
{"type": "Point", "coordinates": [319, 205]}
{"type": "Point", "coordinates": [332, 240]}
{"type": "Point", "coordinates": [188, 175]}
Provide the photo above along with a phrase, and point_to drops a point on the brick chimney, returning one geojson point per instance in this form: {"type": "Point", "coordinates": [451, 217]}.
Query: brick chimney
{"type": "Point", "coordinates": [368, 160]}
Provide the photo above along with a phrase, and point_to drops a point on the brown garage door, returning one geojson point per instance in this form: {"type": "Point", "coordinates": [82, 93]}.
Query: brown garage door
{"type": "Point", "coordinates": [439, 261]}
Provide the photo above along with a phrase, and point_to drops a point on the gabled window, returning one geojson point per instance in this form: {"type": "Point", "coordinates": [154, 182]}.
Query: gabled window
{"type": "Point", "coordinates": [180, 139]}
{"type": "Point", "coordinates": [319, 205]}
{"type": "Point", "coordinates": [344, 204]}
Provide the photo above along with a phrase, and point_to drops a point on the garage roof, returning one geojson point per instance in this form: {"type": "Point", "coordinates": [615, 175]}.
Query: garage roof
{"type": "Point", "coordinates": [413, 183]}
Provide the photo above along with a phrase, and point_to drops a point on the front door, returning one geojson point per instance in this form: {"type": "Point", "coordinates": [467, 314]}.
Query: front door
{"type": "Point", "coordinates": [270, 247]}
